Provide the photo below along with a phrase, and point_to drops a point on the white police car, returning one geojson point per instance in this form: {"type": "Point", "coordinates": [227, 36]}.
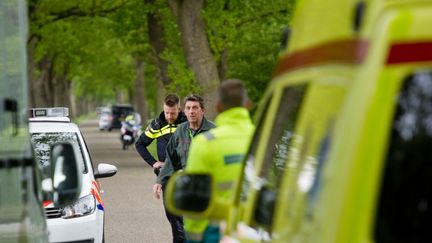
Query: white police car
{"type": "Point", "coordinates": [82, 221]}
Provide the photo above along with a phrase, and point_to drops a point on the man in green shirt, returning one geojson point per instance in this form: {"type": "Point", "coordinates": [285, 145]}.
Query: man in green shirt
{"type": "Point", "coordinates": [220, 152]}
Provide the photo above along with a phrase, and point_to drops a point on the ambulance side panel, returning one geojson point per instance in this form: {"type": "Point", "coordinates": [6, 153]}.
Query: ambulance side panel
{"type": "Point", "coordinates": [21, 216]}
{"type": "Point", "coordinates": [352, 181]}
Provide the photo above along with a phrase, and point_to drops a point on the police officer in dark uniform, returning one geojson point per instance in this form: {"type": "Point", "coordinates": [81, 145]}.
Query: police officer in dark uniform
{"type": "Point", "coordinates": [161, 129]}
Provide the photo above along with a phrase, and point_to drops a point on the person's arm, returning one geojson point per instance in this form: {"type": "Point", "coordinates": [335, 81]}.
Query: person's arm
{"type": "Point", "coordinates": [167, 169]}
{"type": "Point", "coordinates": [171, 155]}
{"type": "Point", "coordinates": [157, 190]}
{"type": "Point", "coordinates": [141, 146]}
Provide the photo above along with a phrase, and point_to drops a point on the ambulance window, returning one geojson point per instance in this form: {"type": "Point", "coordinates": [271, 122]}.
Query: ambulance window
{"type": "Point", "coordinates": [249, 171]}
{"type": "Point", "coordinates": [282, 135]}
{"type": "Point", "coordinates": [405, 204]}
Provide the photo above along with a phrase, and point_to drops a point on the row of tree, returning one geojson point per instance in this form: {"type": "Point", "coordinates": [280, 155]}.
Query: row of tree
{"type": "Point", "coordinates": [85, 53]}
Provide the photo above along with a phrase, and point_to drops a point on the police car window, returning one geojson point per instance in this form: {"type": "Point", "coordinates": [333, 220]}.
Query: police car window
{"type": "Point", "coordinates": [85, 147]}
{"type": "Point", "coordinates": [42, 143]}
{"type": "Point", "coordinates": [282, 135]}
{"type": "Point", "coordinates": [405, 203]}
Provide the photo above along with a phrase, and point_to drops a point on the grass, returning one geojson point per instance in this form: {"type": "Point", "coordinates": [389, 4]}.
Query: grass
{"type": "Point", "coordinates": [152, 149]}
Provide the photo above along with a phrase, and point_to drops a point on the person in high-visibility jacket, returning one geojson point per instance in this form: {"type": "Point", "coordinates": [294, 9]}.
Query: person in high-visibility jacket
{"type": "Point", "coordinates": [220, 152]}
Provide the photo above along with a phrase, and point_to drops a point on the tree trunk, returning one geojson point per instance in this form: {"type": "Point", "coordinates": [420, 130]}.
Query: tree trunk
{"type": "Point", "coordinates": [140, 98]}
{"type": "Point", "coordinates": [58, 92]}
{"type": "Point", "coordinates": [161, 93]}
{"type": "Point", "coordinates": [31, 66]}
{"type": "Point", "coordinates": [48, 82]}
{"type": "Point", "coordinates": [61, 91]}
{"type": "Point", "coordinates": [197, 49]}
{"type": "Point", "coordinates": [81, 107]}
{"type": "Point", "coordinates": [131, 95]}
{"type": "Point", "coordinates": [72, 101]}
{"type": "Point", "coordinates": [223, 64]}
{"type": "Point", "coordinates": [223, 61]}
{"type": "Point", "coordinates": [41, 94]}
{"type": "Point", "coordinates": [157, 41]}
{"type": "Point", "coordinates": [120, 97]}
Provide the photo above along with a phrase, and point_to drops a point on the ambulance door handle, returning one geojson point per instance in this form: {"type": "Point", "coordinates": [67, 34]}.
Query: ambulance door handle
{"type": "Point", "coordinates": [11, 105]}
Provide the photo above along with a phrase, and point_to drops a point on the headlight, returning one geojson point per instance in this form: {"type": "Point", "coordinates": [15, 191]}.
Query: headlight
{"type": "Point", "coordinates": [85, 205]}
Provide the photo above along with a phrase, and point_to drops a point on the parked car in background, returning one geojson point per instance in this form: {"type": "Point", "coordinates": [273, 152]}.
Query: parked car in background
{"type": "Point", "coordinates": [105, 118]}
{"type": "Point", "coordinates": [115, 115]}
{"type": "Point", "coordinates": [82, 220]}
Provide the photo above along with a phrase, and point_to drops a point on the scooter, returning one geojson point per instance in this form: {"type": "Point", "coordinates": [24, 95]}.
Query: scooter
{"type": "Point", "coordinates": [129, 133]}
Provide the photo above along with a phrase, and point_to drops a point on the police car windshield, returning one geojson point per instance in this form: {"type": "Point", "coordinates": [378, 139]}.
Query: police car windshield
{"type": "Point", "coordinates": [42, 143]}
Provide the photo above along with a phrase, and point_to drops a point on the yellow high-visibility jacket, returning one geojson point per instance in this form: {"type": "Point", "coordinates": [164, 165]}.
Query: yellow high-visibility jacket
{"type": "Point", "coordinates": [220, 152]}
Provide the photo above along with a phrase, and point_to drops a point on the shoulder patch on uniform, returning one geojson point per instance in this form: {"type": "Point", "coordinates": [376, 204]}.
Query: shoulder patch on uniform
{"type": "Point", "coordinates": [233, 158]}
{"type": "Point", "coordinates": [209, 136]}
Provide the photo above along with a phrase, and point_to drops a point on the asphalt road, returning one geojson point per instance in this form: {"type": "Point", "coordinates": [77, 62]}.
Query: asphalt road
{"type": "Point", "coordinates": [132, 214]}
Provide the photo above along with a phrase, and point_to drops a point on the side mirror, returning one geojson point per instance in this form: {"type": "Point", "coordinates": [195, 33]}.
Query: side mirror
{"type": "Point", "coordinates": [66, 176]}
{"type": "Point", "coordinates": [189, 194]}
{"type": "Point", "coordinates": [105, 170]}
{"type": "Point", "coordinates": [194, 195]}
{"type": "Point", "coordinates": [192, 192]}
{"type": "Point", "coordinates": [265, 207]}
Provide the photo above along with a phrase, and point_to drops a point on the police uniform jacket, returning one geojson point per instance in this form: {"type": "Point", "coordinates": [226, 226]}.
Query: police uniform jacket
{"type": "Point", "coordinates": [160, 130]}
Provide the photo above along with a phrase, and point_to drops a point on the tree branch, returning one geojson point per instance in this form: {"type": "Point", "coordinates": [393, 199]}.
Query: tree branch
{"type": "Point", "coordinates": [75, 11]}
{"type": "Point", "coordinates": [174, 5]}
{"type": "Point", "coordinates": [262, 16]}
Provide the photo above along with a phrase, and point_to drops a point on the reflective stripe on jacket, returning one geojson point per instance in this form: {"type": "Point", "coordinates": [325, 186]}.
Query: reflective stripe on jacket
{"type": "Point", "coordinates": [160, 130]}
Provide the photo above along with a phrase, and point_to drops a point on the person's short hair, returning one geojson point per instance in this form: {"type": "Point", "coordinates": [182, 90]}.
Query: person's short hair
{"type": "Point", "coordinates": [196, 98]}
{"type": "Point", "coordinates": [171, 100]}
{"type": "Point", "coordinates": [232, 93]}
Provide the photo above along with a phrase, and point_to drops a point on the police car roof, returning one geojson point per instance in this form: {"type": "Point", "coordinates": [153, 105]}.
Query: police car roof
{"type": "Point", "coordinates": [52, 124]}
{"type": "Point", "coordinates": [49, 119]}
{"type": "Point", "coordinates": [49, 114]}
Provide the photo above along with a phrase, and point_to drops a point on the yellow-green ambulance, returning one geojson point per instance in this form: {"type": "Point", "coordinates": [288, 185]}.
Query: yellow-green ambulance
{"type": "Point", "coordinates": [341, 152]}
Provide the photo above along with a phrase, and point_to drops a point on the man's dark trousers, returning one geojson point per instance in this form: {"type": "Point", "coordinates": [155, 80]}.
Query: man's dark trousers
{"type": "Point", "coordinates": [176, 222]}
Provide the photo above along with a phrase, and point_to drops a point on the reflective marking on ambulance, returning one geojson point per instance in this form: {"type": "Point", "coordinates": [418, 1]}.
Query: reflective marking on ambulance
{"type": "Point", "coordinates": [95, 191]}
{"type": "Point", "coordinates": [408, 52]}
